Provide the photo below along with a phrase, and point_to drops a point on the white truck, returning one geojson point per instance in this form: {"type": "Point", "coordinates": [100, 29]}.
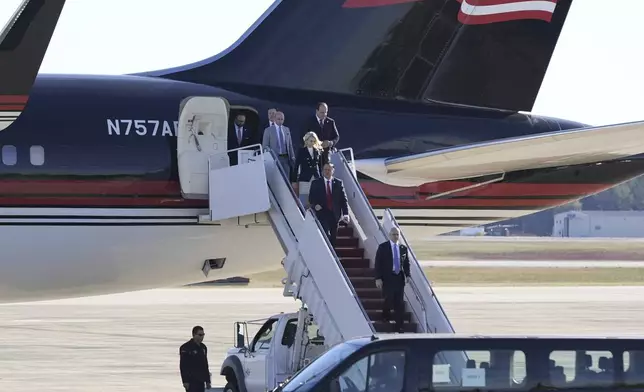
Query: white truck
{"type": "Point", "coordinates": [284, 344]}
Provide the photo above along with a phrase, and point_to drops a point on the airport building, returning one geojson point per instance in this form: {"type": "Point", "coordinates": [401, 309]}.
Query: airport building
{"type": "Point", "coordinates": [613, 224]}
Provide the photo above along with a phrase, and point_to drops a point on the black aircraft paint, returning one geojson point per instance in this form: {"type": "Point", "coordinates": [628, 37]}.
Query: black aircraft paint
{"type": "Point", "coordinates": [110, 141]}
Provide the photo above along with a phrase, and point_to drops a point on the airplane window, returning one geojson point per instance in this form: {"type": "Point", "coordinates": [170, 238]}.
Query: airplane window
{"type": "Point", "coordinates": [37, 155]}
{"type": "Point", "coordinates": [9, 155]}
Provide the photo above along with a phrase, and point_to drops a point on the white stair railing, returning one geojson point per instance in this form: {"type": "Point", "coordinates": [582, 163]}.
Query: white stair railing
{"type": "Point", "coordinates": [420, 297]}
{"type": "Point", "coordinates": [310, 257]}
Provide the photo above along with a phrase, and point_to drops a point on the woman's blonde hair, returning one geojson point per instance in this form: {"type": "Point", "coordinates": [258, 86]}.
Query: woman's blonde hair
{"type": "Point", "coordinates": [316, 144]}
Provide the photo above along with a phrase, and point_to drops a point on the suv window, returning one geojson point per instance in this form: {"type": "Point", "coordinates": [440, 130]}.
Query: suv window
{"type": "Point", "coordinates": [384, 371]}
{"type": "Point", "coordinates": [581, 369]}
{"type": "Point", "coordinates": [484, 370]}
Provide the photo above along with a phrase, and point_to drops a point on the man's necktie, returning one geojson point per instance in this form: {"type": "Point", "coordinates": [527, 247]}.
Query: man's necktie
{"type": "Point", "coordinates": [329, 199]}
{"type": "Point", "coordinates": [239, 135]}
{"type": "Point", "coordinates": [280, 140]}
{"type": "Point", "coordinates": [396, 259]}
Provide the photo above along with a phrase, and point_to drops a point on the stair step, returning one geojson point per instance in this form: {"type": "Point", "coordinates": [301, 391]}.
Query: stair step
{"type": "Point", "coordinates": [349, 252]}
{"type": "Point", "coordinates": [376, 315]}
{"type": "Point", "coordinates": [369, 292]}
{"type": "Point", "coordinates": [362, 282]}
{"type": "Point", "coordinates": [345, 231]}
{"type": "Point", "coordinates": [346, 242]}
{"type": "Point", "coordinates": [385, 327]}
{"type": "Point", "coordinates": [354, 263]}
{"type": "Point", "coordinates": [366, 272]}
{"type": "Point", "coordinates": [372, 303]}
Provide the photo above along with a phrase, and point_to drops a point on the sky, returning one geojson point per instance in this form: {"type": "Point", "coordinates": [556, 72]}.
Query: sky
{"type": "Point", "coordinates": [595, 75]}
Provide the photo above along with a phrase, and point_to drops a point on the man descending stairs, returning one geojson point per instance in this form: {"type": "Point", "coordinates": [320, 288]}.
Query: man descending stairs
{"type": "Point", "coordinates": [363, 278]}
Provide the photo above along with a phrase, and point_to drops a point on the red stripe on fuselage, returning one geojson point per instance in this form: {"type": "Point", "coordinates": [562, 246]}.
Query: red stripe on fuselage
{"type": "Point", "coordinates": [166, 194]}
{"type": "Point", "coordinates": [165, 202]}
{"type": "Point", "coordinates": [371, 188]}
{"type": "Point", "coordinates": [14, 99]}
{"type": "Point", "coordinates": [90, 187]}
{"type": "Point", "coordinates": [11, 108]}
{"type": "Point", "coordinates": [100, 202]}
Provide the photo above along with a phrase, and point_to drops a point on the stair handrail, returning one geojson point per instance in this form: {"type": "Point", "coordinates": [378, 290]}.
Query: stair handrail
{"type": "Point", "coordinates": [384, 234]}
{"type": "Point", "coordinates": [287, 179]}
{"type": "Point", "coordinates": [416, 290]}
{"type": "Point", "coordinates": [344, 273]}
{"type": "Point", "coordinates": [326, 239]}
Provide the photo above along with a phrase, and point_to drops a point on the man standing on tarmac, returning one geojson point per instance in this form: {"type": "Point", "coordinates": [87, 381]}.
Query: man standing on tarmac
{"type": "Point", "coordinates": [194, 362]}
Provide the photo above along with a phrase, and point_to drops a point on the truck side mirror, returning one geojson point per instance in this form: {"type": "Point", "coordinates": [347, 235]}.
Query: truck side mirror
{"type": "Point", "coordinates": [240, 341]}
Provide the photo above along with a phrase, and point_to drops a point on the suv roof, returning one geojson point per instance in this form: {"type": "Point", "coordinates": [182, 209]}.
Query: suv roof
{"type": "Point", "coordinates": [416, 336]}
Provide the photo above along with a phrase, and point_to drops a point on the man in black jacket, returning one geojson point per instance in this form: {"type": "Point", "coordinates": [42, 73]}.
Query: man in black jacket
{"type": "Point", "coordinates": [323, 126]}
{"type": "Point", "coordinates": [392, 272]}
{"type": "Point", "coordinates": [194, 362]}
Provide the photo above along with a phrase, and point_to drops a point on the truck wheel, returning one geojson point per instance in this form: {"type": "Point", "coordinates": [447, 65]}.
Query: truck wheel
{"type": "Point", "coordinates": [231, 387]}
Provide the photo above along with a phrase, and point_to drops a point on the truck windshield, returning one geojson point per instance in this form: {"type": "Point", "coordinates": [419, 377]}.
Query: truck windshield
{"type": "Point", "coordinates": [320, 366]}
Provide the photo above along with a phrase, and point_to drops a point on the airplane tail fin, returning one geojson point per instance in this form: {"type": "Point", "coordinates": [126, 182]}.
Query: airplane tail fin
{"type": "Point", "coordinates": [23, 43]}
{"type": "Point", "coordinates": [486, 53]}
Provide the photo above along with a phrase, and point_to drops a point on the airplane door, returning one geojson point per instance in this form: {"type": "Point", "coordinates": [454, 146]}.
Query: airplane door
{"type": "Point", "coordinates": [202, 134]}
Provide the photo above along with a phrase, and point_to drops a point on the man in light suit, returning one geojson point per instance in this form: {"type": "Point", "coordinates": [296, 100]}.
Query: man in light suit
{"type": "Point", "coordinates": [392, 272]}
{"type": "Point", "coordinates": [278, 139]}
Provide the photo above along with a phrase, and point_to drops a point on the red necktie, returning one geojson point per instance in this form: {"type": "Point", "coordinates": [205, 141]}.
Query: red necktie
{"type": "Point", "coordinates": [329, 199]}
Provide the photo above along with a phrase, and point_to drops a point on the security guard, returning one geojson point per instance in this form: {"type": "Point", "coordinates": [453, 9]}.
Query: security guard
{"type": "Point", "coordinates": [194, 362]}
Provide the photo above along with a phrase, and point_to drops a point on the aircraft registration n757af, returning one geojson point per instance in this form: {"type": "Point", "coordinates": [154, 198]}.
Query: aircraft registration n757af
{"type": "Point", "coordinates": [125, 127]}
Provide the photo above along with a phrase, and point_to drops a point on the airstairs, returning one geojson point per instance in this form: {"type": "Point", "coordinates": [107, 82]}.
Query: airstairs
{"type": "Point", "coordinates": [337, 284]}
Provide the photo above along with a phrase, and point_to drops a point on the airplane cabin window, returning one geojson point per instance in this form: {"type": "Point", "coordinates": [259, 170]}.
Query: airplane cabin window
{"type": "Point", "coordinates": [37, 155]}
{"type": "Point", "coordinates": [9, 155]}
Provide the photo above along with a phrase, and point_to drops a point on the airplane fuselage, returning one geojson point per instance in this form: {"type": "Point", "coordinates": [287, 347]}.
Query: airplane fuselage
{"type": "Point", "coordinates": [91, 202]}
{"type": "Point", "coordinates": [110, 141]}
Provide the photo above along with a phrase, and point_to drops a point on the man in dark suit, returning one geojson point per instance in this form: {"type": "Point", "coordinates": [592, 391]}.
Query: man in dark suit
{"type": "Point", "coordinates": [392, 272]}
{"type": "Point", "coordinates": [328, 198]}
{"type": "Point", "coordinates": [239, 136]}
{"type": "Point", "coordinates": [324, 126]}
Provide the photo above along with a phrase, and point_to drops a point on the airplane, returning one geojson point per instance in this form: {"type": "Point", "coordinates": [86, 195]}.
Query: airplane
{"type": "Point", "coordinates": [433, 97]}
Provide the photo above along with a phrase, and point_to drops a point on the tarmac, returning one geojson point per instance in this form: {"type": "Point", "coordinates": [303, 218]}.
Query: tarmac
{"type": "Point", "coordinates": [129, 342]}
